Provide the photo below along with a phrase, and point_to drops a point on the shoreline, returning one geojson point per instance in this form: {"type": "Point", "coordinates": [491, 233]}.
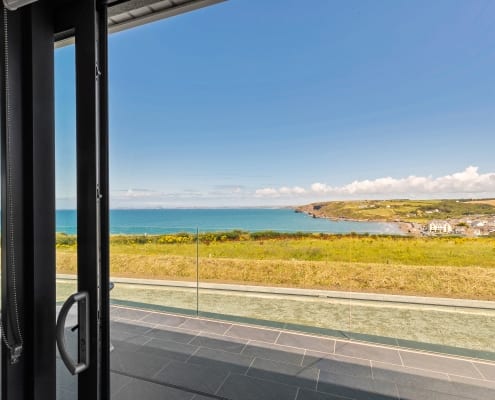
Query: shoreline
{"type": "Point", "coordinates": [405, 227]}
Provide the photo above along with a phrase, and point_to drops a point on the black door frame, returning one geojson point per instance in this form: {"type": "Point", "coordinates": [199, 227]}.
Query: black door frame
{"type": "Point", "coordinates": [32, 32]}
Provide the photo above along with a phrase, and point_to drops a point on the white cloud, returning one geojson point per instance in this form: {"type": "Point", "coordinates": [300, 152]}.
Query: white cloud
{"type": "Point", "coordinates": [267, 192]}
{"type": "Point", "coordinates": [283, 191]}
{"type": "Point", "coordinates": [467, 182]}
{"type": "Point", "coordinates": [136, 193]}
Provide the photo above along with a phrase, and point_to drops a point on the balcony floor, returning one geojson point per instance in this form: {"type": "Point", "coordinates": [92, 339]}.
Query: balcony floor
{"type": "Point", "coordinates": [167, 356]}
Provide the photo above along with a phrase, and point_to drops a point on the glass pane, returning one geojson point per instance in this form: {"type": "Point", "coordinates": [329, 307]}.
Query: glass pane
{"type": "Point", "coordinates": [1, 277]}
{"type": "Point", "coordinates": [153, 261]}
{"type": "Point", "coordinates": [428, 290]}
{"type": "Point", "coordinates": [66, 213]}
{"type": "Point", "coordinates": [276, 277]}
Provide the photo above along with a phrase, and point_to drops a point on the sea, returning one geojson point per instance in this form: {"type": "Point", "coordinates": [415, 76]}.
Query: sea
{"type": "Point", "coordinates": [163, 221]}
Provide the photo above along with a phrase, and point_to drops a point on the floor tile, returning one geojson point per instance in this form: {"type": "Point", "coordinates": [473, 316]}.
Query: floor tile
{"type": "Point", "coordinates": [138, 389]}
{"type": "Point", "coordinates": [356, 387]}
{"type": "Point", "coordinates": [235, 363]}
{"type": "Point", "coordinates": [131, 337]}
{"type": "Point", "coordinates": [129, 327]}
{"type": "Point", "coordinates": [132, 343]}
{"type": "Point", "coordinates": [197, 377]}
{"type": "Point", "coordinates": [206, 326]}
{"type": "Point", "coordinates": [338, 364]}
{"type": "Point", "coordinates": [312, 395]}
{"type": "Point", "coordinates": [65, 381]}
{"type": "Point", "coordinates": [168, 349]}
{"type": "Point", "coordinates": [63, 394]}
{"type": "Point", "coordinates": [307, 342]}
{"type": "Point", "coordinates": [220, 342]}
{"type": "Point", "coordinates": [174, 334]}
{"type": "Point", "coordinates": [117, 382]}
{"type": "Point", "coordinates": [440, 364]}
{"type": "Point", "coordinates": [164, 319]}
{"type": "Point", "coordinates": [369, 352]}
{"type": "Point", "coordinates": [412, 377]}
{"type": "Point", "coordinates": [240, 387]}
{"type": "Point", "coordinates": [214, 362]}
{"type": "Point", "coordinates": [274, 352]}
{"type": "Point", "coordinates": [415, 393]}
{"type": "Point", "coordinates": [473, 382]}
{"type": "Point", "coordinates": [136, 363]}
{"type": "Point", "coordinates": [474, 389]}
{"type": "Point", "coordinates": [487, 370]}
{"type": "Point", "coordinates": [288, 374]}
{"type": "Point", "coordinates": [251, 333]}
{"type": "Point", "coordinates": [129, 313]}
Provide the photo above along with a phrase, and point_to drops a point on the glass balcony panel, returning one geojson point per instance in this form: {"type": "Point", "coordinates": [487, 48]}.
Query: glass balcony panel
{"type": "Point", "coordinates": [154, 270]}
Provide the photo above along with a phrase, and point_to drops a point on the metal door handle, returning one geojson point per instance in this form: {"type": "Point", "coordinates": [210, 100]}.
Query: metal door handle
{"type": "Point", "coordinates": [82, 299]}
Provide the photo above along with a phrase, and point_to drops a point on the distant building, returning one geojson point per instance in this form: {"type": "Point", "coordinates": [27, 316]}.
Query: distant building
{"type": "Point", "coordinates": [439, 227]}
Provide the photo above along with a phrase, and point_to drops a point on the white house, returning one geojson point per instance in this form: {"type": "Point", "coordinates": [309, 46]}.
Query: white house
{"type": "Point", "coordinates": [439, 227]}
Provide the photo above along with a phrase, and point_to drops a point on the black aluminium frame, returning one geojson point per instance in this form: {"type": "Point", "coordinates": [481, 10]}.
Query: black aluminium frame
{"type": "Point", "coordinates": [32, 31]}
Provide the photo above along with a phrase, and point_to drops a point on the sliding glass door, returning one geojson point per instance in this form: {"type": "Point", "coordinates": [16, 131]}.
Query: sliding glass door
{"type": "Point", "coordinates": [54, 282]}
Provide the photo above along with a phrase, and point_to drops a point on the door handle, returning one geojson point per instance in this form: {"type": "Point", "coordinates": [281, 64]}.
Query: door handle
{"type": "Point", "coordinates": [82, 300]}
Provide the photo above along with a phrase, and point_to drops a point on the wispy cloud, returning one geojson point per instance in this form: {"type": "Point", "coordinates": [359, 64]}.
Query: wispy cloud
{"type": "Point", "coordinates": [469, 182]}
{"type": "Point", "coordinates": [283, 191]}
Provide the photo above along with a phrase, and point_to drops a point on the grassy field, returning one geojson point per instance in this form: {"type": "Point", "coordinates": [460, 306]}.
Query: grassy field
{"type": "Point", "coordinates": [404, 210]}
{"type": "Point", "coordinates": [440, 266]}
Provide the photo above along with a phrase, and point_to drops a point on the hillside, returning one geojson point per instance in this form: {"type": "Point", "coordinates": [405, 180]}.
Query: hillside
{"type": "Point", "coordinates": [399, 210]}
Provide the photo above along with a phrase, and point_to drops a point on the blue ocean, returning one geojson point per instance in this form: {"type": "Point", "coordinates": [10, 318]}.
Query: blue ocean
{"type": "Point", "coordinates": [162, 221]}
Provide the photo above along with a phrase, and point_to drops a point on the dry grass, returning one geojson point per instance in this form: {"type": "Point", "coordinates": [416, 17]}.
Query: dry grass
{"type": "Point", "coordinates": [490, 202]}
{"type": "Point", "coordinates": [438, 281]}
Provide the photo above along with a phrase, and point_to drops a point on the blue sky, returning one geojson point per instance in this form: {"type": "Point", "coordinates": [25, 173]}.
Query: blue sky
{"type": "Point", "coordinates": [254, 102]}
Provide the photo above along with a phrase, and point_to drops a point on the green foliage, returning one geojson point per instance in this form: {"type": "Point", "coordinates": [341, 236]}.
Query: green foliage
{"type": "Point", "coordinates": [65, 241]}
{"type": "Point", "coordinates": [404, 210]}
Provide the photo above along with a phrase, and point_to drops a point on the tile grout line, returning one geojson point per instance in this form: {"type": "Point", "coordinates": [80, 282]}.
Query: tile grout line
{"type": "Point", "coordinates": [223, 383]}
{"type": "Point", "coordinates": [161, 369]}
{"type": "Point", "coordinates": [225, 333]}
{"type": "Point", "coordinates": [478, 371]}
{"type": "Point", "coordinates": [149, 340]}
{"type": "Point", "coordinates": [312, 335]}
{"type": "Point", "coordinates": [192, 355]}
{"type": "Point", "coordinates": [397, 391]}
{"type": "Point", "coordinates": [182, 323]}
{"type": "Point", "coordinates": [144, 316]}
{"type": "Point", "coordinates": [302, 333]}
{"type": "Point", "coordinates": [244, 347]}
{"type": "Point", "coordinates": [123, 386]}
{"type": "Point", "coordinates": [250, 365]}
{"type": "Point", "coordinates": [194, 337]}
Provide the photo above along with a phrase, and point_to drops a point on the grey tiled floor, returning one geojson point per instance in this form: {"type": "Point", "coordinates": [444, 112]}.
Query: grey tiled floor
{"type": "Point", "coordinates": [165, 356]}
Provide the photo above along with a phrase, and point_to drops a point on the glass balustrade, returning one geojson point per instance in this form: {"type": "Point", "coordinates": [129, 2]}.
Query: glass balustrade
{"type": "Point", "coordinates": [314, 283]}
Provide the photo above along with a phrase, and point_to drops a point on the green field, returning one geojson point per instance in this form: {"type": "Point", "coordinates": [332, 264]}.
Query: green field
{"type": "Point", "coordinates": [403, 210]}
{"type": "Point", "coordinates": [439, 266]}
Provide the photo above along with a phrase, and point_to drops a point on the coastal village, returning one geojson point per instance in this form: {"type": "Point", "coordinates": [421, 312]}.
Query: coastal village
{"type": "Point", "coordinates": [472, 226]}
{"type": "Point", "coordinates": [468, 218]}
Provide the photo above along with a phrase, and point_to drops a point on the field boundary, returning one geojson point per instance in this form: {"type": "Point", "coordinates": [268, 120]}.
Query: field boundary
{"type": "Point", "coordinates": [331, 294]}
